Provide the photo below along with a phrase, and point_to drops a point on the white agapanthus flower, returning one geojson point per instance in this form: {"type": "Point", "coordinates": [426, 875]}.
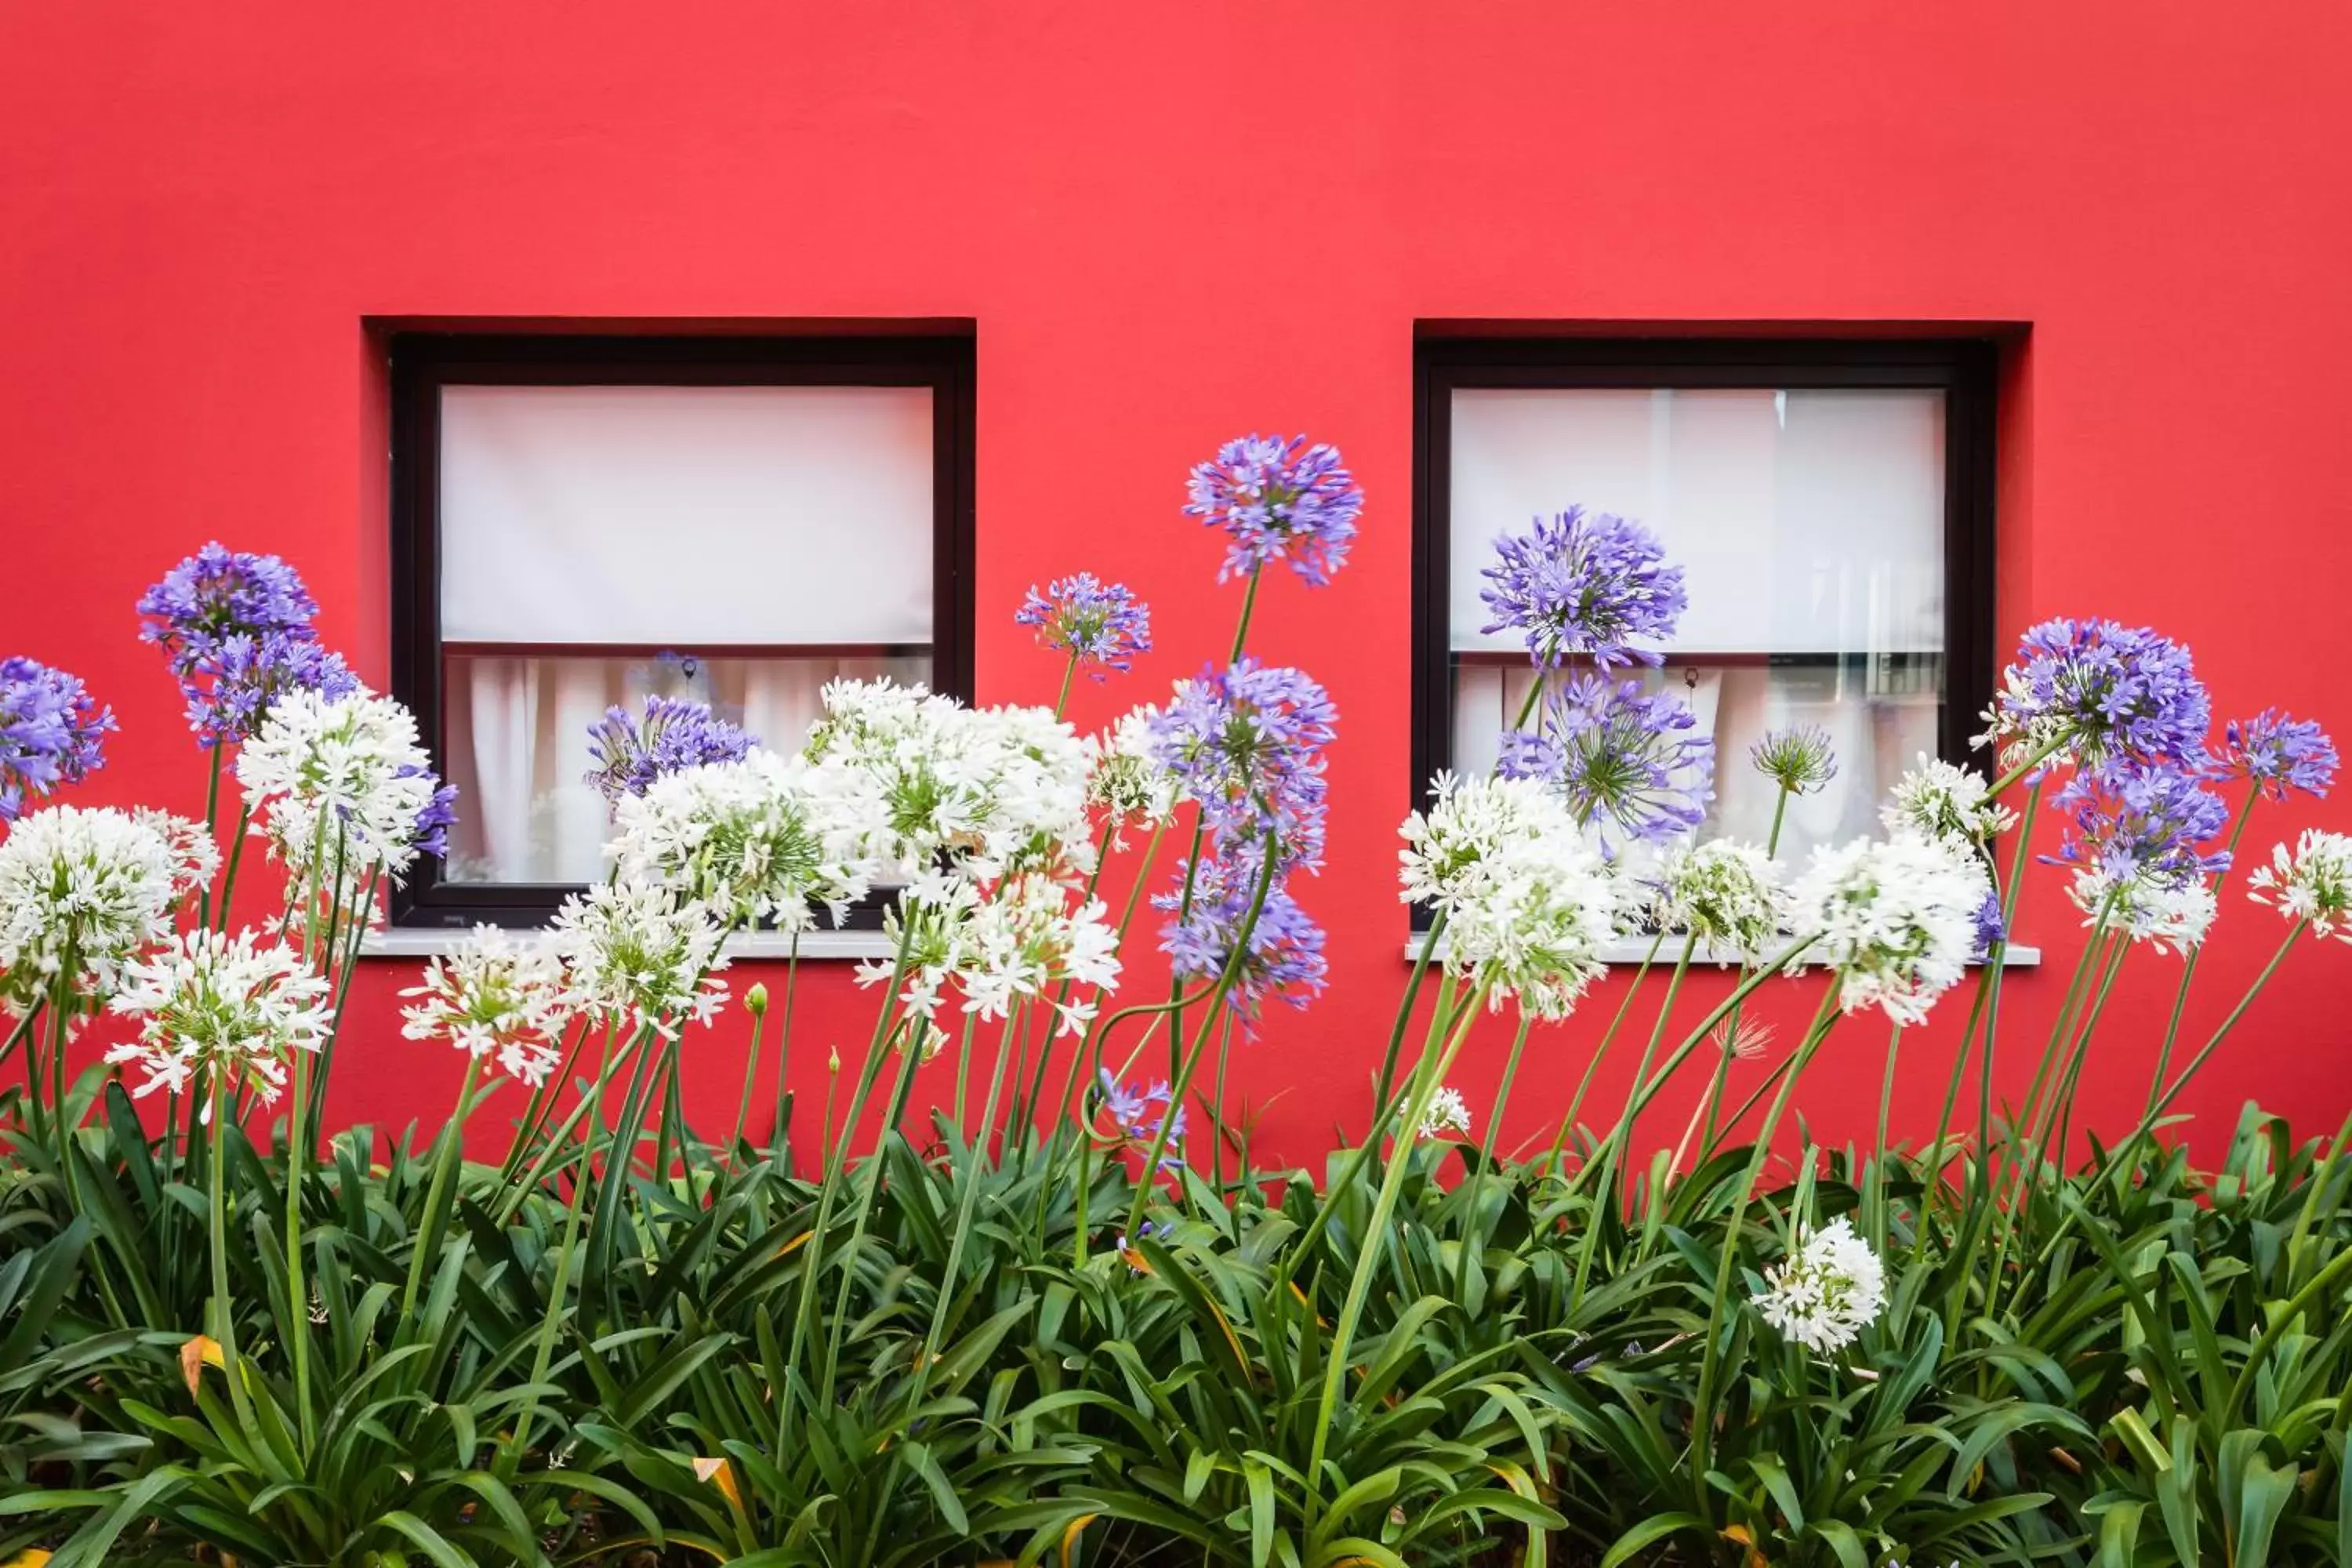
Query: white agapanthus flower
{"type": "Point", "coordinates": [338, 781]}
{"type": "Point", "coordinates": [635, 955]}
{"type": "Point", "coordinates": [1895, 917]}
{"type": "Point", "coordinates": [1009, 942]}
{"type": "Point", "coordinates": [996, 790]}
{"type": "Point", "coordinates": [768, 837]}
{"type": "Point", "coordinates": [1448, 1115]}
{"type": "Point", "coordinates": [1725, 893]}
{"type": "Point", "coordinates": [2168, 913]}
{"type": "Point", "coordinates": [2313, 883]}
{"type": "Point", "coordinates": [1529, 904]}
{"type": "Point", "coordinates": [1126, 779]}
{"type": "Point", "coordinates": [1832, 1290]}
{"type": "Point", "coordinates": [85, 891]}
{"type": "Point", "coordinates": [227, 1005]}
{"type": "Point", "coordinates": [498, 996]}
{"type": "Point", "coordinates": [194, 855]}
{"type": "Point", "coordinates": [1937, 800]}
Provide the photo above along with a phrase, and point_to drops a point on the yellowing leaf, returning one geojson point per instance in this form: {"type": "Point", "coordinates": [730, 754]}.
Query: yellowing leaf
{"type": "Point", "coordinates": [31, 1557]}
{"type": "Point", "coordinates": [1737, 1535]}
{"type": "Point", "coordinates": [199, 1352]}
{"type": "Point", "coordinates": [1070, 1536]}
{"type": "Point", "coordinates": [794, 1245]}
{"type": "Point", "coordinates": [722, 1473]}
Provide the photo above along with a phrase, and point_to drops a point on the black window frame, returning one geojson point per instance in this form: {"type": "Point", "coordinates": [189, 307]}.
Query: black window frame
{"type": "Point", "coordinates": [422, 362]}
{"type": "Point", "coordinates": [1963, 368]}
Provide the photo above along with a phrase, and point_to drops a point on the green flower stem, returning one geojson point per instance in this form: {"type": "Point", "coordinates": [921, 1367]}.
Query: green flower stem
{"type": "Point", "coordinates": [2189, 964]}
{"type": "Point", "coordinates": [1614, 1149]}
{"type": "Point", "coordinates": [1473, 1226]}
{"type": "Point", "coordinates": [750, 1072]}
{"type": "Point", "coordinates": [236, 857]}
{"type": "Point", "coordinates": [224, 1328]}
{"type": "Point", "coordinates": [542, 1098]}
{"type": "Point", "coordinates": [448, 1152]}
{"type": "Point", "coordinates": [2147, 1123]}
{"type": "Point", "coordinates": [1067, 1105]}
{"type": "Point", "coordinates": [1025, 1107]}
{"type": "Point", "coordinates": [1878, 1148]}
{"type": "Point", "coordinates": [545, 1351]}
{"type": "Point", "coordinates": [212, 813]}
{"type": "Point", "coordinates": [561, 1138]}
{"type": "Point", "coordinates": [1702, 1412]}
{"type": "Point", "coordinates": [1593, 1063]}
{"type": "Point", "coordinates": [785, 1045]}
{"type": "Point", "coordinates": [1427, 1074]}
{"type": "Point", "coordinates": [1386, 1081]}
{"type": "Point", "coordinates": [911, 1053]}
{"type": "Point", "coordinates": [1062, 697]}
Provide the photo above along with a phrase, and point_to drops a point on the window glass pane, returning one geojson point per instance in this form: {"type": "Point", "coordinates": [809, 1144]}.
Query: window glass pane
{"type": "Point", "coordinates": [517, 733]}
{"type": "Point", "coordinates": [708, 514]}
{"type": "Point", "coordinates": [1809, 525]}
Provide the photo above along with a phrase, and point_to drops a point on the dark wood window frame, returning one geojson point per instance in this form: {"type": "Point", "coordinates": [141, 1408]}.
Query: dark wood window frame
{"type": "Point", "coordinates": [1964, 369]}
{"type": "Point", "coordinates": [422, 363]}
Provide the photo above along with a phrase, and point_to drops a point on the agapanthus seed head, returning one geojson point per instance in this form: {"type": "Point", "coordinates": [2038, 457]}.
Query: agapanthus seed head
{"type": "Point", "coordinates": [1279, 500]}
{"type": "Point", "coordinates": [50, 731]}
{"type": "Point", "coordinates": [2276, 753]}
{"type": "Point", "coordinates": [2312, 882]}
{"type": "Point", "coordinates": [1101, 624]}
{"type": "Point", "coordinates": [1822, 1296]}
{"type": "Point", "coordinates": [1801, 758]}
{"type": "Point", "coordinates": [1584, 585]}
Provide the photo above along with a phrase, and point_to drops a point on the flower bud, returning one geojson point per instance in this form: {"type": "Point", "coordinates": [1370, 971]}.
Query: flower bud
{"type": "Point", "coordinates": [755, 1001]}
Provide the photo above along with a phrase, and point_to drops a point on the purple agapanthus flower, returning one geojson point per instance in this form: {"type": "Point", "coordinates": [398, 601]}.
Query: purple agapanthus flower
{"type": "Point", "coordinates": [1095, 622]}
{"type": "Point", "coordinates": [1584, 584]}
{"type": "Point", "coordinates": [1632, 766]}
{"type": "Point", "coordinates": [1137, 1113]}
{"type": "Point", "coordinates": [1279, 500]}
{"type": "Point", "coordinates": [1990, 927]}
{"type": "Point", "coordinates": [1284, 955]}
{"type": "Point", "coordinates": [1246, 743]}
{"type": "Point", "coordinates": [676, 733]}
{"type": "Point", "coordinates": [235, 628]}
{"type": "Point", "coordinates": [219, 593]}
{"type": "Point", "coordinates": [435, 817]}
{"type": "Point", "coordinates": [2156, 824]}
{"type": "Point", "coordinates": [49, 731]}
{"type": "Point", "coordinates": [2093, 692]}
{"type": "Point", "coordinates": [2277, 754]}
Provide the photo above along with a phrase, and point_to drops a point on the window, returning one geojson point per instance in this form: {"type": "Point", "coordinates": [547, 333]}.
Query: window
{"type": "Point", "coordinates": [579, 523]}
{"type": "Point", "coordinates": [1831, 504]}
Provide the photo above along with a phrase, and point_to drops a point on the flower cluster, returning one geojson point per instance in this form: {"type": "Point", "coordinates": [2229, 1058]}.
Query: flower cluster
{"type": "Point", "coordinates": [1136, 1116]}
{"type": "Point", "coordinates": [1723, 893]}
{"type": "Point", "coordinates": [235, 628]}
{"type": "Point", "coordinates": [1279, 500]}
{"type": "Point", "coordinates": [2096, 693]}
{"type": "Point", "coordinates": [1897, 917]}
{"type": "Point", "coordinates": [1799, 759]}
{"type": "Point", "coordinates": [84, 893]}
{"type": "Point", "coordinates": [1448, 1115]}
{"type": "Point", "coordinates": [2277, 754]}
{"type": "Point", "coordinates": [1095, 622]}
{"type": "Point", "coordinates": [1283, 957]}
{"type": "Point", "coordinates": [498, 997]}
{"type": "Point", "coordinates": [1529, 905]}
{"type": "Point", "coordinates": [211, 1002]}
{"type": "Point", "coordinates": [675, 733]}
{"type": "Point", "coordinates": [1936, 800]}
{"type": "Point", "coordinates": [49, 731]}
{"type": "Point", "coordinates": [339, 786]}
{"type": "Point", "coordinates": [1584, 584]}
{"type": "Point", "coordinates": [1832, 1290]}
{"type": "Point", "coordinates": [1633, 767]}
{"type": "Point", "coordinates": [2313, 883]}
{"type": "Point", "coordinates": [1246, 743]}
{"type": "Point", "coordinates": [2141, 843]}
{"type": "Point", "coordinates": [1125, 778]}
{"type": "Point", "coordinates": [757, 837]}
{"type": "Point", "coordinates": [638, 957]}
{"type": "Point", "coordinates": [1028, 932]}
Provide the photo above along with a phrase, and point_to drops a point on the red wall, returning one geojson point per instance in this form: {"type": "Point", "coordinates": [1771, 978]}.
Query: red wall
{"type": "Point", "coordinates": [1174, 222]}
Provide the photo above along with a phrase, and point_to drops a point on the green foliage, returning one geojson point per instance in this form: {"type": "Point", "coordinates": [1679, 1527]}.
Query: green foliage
{"type": "Point", "coordinates": [2158, 1374]}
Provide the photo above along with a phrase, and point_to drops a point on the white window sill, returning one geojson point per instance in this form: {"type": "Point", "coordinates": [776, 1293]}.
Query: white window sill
{"type": "Point", "coordinates": [1630, 952]}
{"type": "Point", "coordinates": [427, 941]}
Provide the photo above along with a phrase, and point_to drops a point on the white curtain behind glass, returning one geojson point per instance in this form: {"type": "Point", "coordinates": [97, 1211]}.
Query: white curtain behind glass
{"type": "Point", "coordinates": [1809, 525]}
{"type": "Point", "coordinates": [594, 538]}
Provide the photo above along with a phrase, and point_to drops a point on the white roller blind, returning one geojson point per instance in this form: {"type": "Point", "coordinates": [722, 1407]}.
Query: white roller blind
{"type": "Point", "coordinates": [687, 514]}
{"type": "Point", "coordinates": [1807, 522]}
